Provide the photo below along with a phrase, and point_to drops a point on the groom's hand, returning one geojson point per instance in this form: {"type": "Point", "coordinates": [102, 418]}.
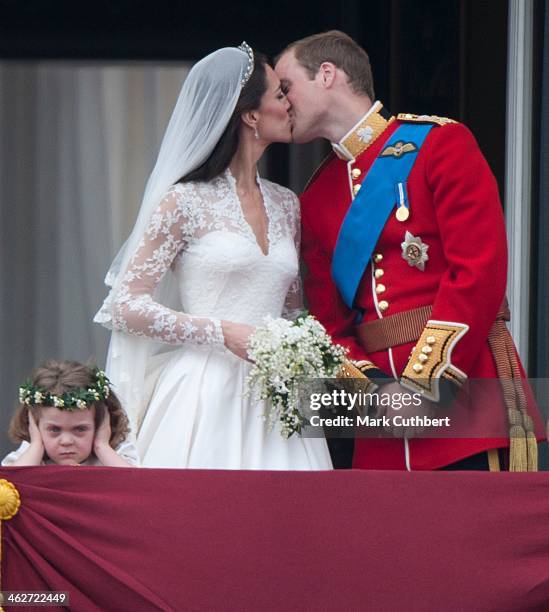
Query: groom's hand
{"type": "Point", "coordinates": [396, 408]}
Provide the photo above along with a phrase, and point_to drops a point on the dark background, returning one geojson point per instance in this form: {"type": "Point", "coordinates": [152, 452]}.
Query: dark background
{"type": "Point", "coordinates": [429, 56]}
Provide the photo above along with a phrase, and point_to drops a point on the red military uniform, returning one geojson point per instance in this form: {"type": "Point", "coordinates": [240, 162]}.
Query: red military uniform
{"type": "Point", "coordinates": [456, 213]}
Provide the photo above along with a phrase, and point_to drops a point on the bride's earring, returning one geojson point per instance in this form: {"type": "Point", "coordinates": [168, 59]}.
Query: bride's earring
{"type": "Point", "coordinates": [256, 133]}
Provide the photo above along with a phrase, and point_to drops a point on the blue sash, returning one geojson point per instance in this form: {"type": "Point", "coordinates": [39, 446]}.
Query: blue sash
{"type": "Point", "coordinates": [383, 187]}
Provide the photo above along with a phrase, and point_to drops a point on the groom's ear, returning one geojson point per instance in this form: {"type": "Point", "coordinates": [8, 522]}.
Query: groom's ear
{"type": "Point", "coordinates": [326, 74]}
{"type": "Point", "coordinates": [250, 118]}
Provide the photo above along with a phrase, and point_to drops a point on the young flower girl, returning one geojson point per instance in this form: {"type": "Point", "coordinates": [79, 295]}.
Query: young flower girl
{"type": "Point", "coordinates": [69, 415]}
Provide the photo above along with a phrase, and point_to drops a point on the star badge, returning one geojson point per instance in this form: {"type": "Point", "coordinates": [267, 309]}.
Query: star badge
{"type": "Point", "coordinates": [414, 251]}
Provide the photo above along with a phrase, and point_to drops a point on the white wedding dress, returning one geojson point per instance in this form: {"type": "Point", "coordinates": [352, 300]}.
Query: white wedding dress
{"type": "Point", "coordinates": [198, 414]}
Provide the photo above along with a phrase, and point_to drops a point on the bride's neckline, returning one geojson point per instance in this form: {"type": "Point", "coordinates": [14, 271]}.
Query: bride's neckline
{"type": "Point", "coordinates": [258, 239]}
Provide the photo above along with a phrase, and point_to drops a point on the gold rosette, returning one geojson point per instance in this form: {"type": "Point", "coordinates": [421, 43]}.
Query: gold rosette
{"type": "Point", "coordinates": [9, 507]}
{"type": "Point", "coordinates": [9, 500]}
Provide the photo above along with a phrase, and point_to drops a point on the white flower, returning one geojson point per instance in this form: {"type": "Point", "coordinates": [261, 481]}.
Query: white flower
{"type": "Point", "coordinates": [284, 352]}
{"type": "Point", "coordinates": [81, 404]}
{"type": "Point", "coordinates": [58, 401]}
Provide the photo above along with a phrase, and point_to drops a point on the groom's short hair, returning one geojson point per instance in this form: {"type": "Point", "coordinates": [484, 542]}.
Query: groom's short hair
{"type": "Point", "coordinates": [342, 51]}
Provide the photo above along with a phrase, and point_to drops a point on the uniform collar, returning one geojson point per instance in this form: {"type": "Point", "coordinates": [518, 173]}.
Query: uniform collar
{"type": "Point", "coordinates": [364, 133]}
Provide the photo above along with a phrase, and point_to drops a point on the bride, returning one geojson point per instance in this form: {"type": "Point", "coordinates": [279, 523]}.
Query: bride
{"type": "Point", "coordinates": [214, 250]}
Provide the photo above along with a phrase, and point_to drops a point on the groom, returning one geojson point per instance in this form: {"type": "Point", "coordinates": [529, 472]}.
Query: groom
{"type": "Point", "coordinates": [404, 241]}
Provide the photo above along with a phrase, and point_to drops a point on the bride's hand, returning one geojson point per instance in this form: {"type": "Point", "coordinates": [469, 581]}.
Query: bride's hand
{"type": "Point", "coordinates": [237, 337]}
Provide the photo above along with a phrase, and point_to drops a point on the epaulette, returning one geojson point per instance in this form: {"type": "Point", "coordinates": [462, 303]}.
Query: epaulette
{"type": "Point", "coordinates": [320, 167]}
{"type": "Point", "coordinates": [409, 117]}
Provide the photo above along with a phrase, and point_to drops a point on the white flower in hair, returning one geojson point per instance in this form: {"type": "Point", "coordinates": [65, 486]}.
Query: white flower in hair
{"type": "Point", "coordinates": [30, 395]}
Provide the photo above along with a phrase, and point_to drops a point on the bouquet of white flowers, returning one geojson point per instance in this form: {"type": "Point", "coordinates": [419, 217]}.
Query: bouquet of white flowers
{"type": "Point", "coordinates": [284, 352]}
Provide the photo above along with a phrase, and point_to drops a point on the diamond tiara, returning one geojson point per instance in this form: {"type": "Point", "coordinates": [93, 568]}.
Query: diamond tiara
{"type": "Point", "coordinates": [250, 67]}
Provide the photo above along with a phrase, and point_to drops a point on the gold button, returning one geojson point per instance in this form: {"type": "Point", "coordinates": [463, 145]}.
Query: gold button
{"type": "Point", "coordinates": [430, 339]}
{"type": "Point", "coordinates": [356, 189]}
{"type": "Point", "coordinates": [427, 350]}
{"type": "Point", "coordinates": [380, 288]}
{"type": "Point", "coordinates": [383, 305]}
{"type": "Point", "coordinates": [379, 273]}
{"type": "Point", "coordinates": [423, 357]}
{"type": "Point", "coordinates": [356, 173]}
{"type": "Point", "coordinates": [378, 257]}
{"type": "Point", "coordinates": [417, 367]}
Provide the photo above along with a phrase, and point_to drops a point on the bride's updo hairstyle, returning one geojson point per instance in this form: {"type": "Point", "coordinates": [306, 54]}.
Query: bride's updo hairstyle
{"type": "Point", "coordinates": [249, 100]}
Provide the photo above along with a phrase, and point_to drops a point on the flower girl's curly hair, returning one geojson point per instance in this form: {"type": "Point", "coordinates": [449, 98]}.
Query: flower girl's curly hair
{"type": "Point", "coordinates": [59, 377]}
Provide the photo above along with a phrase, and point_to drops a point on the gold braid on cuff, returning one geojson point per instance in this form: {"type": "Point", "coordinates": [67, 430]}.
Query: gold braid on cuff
{"type": "Point", "coordinates": [430, 359]}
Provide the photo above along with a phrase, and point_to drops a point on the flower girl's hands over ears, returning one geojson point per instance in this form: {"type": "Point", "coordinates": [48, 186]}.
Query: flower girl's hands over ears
{"type": "Point", "coordinates": [103, 433]}
{"type": "Point", "coordinates": [34, 454]}
{"type": "Point", "coordinates": [101, 447]}
{"type": "Point", "coordinates": [237, 337]}
{"type": "Point", "coordinates": [34, 434]}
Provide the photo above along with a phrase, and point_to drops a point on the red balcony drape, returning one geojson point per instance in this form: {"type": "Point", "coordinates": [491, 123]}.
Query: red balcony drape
{"type": "Point", "coordinates": [130, 539]}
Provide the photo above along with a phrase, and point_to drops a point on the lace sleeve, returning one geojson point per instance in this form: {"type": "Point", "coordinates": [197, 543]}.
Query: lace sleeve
{"type": "Point", "coordinates": [293, 306]}
{"type": "Point", "coordinates": [134, 310]}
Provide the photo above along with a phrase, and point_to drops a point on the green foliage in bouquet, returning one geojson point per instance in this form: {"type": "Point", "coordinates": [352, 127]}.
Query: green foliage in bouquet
{"type": "Point", "coordinates": [284, 353]}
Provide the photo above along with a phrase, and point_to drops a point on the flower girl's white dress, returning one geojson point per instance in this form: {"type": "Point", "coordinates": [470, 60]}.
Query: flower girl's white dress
{"type": "Point", "coordinates": [197, 414]}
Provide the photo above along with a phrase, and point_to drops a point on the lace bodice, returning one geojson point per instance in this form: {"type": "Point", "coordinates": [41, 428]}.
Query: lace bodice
{"type": "Point", "coordinates": [199, 233]}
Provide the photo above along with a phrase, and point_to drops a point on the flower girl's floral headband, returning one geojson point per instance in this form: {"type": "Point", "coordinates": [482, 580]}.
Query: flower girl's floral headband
{"type": "Point", "coordinates": [79, 398]}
